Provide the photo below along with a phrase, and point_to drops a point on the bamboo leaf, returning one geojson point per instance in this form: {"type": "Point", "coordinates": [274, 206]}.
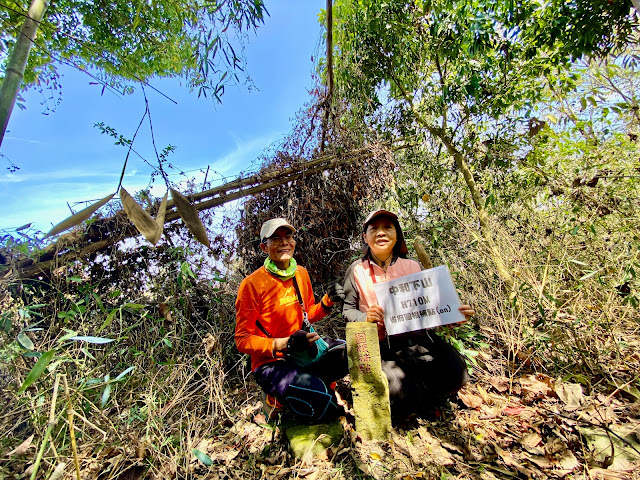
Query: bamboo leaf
{"type": "Point", "coordinates": [589, 275]}
{"type": "Point", "coordinates": [190, 217]}
{"type": "Point", "coordinates": [22, 448]}
{"type": "Point", "coordinates": [578, 262]}
{"type": "Point", "coordinates": [79, 217]}
{"type": "Point", "coordinates": [203, 457]}
{"type": "Point", "coordinates": [552, 118]}
{"type": "Point", "coordinates": [37, 370]}
{"type": "Point", "coordinates": [87, 353]}
{"type": "Point", "coordinates": [135, 306]}
{"type": "Point", "coordinates": [96, 340]}
{"type": "Point", "coordinates": [58, 473]}
{"type": "Point", "coordinates": [144, 222]}
{"type": "Point", "coordinates": [106, 393]}
{"type": "Point", "coordinates": [123, 374]}
{"type": "Point", "coordinates": [25, 341]}
{"type": "Point", "coordinates": [67, 336]}
{"type": "Point", "coordinates": [160, 219]}
{"type": "Point", "coordinates": [108, 320]}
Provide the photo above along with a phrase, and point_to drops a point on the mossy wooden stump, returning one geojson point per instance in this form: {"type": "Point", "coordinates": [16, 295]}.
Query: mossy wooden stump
{"type": "Point", "coordinates": [369, 385]}
{"type": "Point", "coordinates": [309, 441]}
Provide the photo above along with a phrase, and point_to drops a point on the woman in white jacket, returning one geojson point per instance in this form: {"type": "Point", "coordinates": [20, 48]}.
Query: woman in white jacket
{"type": "Point", "coordinates": [421, 367]}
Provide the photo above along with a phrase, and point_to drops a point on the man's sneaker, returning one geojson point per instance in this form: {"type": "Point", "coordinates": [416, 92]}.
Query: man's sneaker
{"type": "Point", "coordinates": [271, 406]}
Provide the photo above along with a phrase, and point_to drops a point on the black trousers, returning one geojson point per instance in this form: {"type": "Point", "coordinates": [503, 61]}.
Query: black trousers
{"type": "Point", "coordinates": [422, 370]}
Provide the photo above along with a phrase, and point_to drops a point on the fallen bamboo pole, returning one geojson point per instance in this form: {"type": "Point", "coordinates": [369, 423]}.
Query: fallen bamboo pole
{"type": "Point", "coordinates": [114, 229]}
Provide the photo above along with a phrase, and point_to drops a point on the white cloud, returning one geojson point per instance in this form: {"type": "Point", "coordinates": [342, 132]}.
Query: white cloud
{"type": "Point", "coordinates": [24, 140]}
{"type": "Point", "coordinates": [245, 152]}
{"type": "Point", "coordinates": [47, 176]}
{"type": "Point", "coordinates": [229, 165]}
{"type": "Point", "coordinates": [41, 197]}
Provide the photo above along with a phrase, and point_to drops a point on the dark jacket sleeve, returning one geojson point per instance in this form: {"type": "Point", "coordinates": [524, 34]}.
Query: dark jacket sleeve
{"type": "Point", "coordinates": [352, 297]}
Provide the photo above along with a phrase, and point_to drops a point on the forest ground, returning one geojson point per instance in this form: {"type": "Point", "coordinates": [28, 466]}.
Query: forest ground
{"type": "Point", "coordinates": [520, 424]}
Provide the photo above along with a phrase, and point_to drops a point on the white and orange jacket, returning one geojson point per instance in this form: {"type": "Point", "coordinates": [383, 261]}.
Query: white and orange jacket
{"type": "Point", "coordinates": [359, 280]}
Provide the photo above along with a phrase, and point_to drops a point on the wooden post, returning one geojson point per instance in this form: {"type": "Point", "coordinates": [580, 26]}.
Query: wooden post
{"type": "Point", "coordinates": [369, 385]}
{"type": "Point", "coordinates": [425, 260]}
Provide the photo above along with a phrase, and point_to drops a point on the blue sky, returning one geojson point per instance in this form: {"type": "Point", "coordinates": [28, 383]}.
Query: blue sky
{"type": "Point", "coordinates": [64, 159]}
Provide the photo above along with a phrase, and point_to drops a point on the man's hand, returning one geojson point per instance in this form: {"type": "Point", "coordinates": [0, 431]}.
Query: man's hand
{"type": "Point", "coordinates": [279, 344]}
{"type": "Point", "coordinates": [335, 292]}
{"type": "Point", "coordinates": [301, 341]}
{"type": "Point", "coordinates": [312, 337]}
{"type": "Point", "coordinates": [375, 314]}
{"type": "Point", "coordinates": [297, 342]}
{"type": "Point", "coordinates": [282, 344]}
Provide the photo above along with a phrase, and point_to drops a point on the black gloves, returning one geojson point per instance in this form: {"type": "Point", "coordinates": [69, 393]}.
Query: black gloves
{"type": "Point", "coordinates": [335, 292]}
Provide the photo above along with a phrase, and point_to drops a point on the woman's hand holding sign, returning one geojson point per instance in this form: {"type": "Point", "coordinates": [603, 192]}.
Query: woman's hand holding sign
{"type": "Point", "coordinates": [467, 311]}
{"type": "Point", "coordinates": [375, 314]}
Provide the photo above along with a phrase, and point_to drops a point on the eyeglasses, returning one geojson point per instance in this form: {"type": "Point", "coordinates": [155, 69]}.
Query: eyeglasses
{"type": "Point", "coordinates": [286, 239]}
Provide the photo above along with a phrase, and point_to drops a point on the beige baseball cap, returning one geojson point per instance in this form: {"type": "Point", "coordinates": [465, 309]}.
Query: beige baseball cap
{"type": "Point", "coordinates": [270, 226]}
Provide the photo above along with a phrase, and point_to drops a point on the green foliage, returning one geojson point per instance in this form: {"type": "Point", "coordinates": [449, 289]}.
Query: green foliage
{"type": "Point", "coordinates": [203, 457]}
{"type": "Point", "coordinates": [443, 54]}
{"type": "Point", "coordinates": [37, 370]}
{"type": "Point", "coordinates": [564, 213]}
{"type": "Point", "coordinates": [550, 145]}
{"type": "Point", "coordinates": [122, 43]}
{"type": "Point", "coordinates": [553, 147]}
{"type": "Point", "coordinates": [570, 29]}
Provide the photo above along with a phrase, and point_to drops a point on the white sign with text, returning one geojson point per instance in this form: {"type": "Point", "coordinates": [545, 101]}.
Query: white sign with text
{"type": "Point", "coordinates": [421, 300]}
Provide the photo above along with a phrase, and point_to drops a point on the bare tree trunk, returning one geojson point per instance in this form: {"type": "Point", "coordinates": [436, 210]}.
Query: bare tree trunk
{"type": "Point", "coordinates": [328, 99]}
{"type": "Point", "coordinates": [14, 72]}
{"type": "Point", "coordinates": [483, 216]}
{"type": "Point", "coordinates": [330, 48]}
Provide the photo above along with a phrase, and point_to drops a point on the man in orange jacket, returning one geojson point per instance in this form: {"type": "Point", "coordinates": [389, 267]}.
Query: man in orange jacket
{"type": "Point", "coordinates": [275, 307]}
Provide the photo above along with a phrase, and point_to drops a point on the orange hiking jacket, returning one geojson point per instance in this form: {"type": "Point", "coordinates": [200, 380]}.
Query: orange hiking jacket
{"type": "Point", "coordinates": [274, 302]}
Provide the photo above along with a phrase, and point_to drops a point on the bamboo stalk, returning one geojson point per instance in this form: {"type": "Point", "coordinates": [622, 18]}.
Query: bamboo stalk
{"type": "Point", "coordinates": [425, 260]}
{"type": "Point", "coordinates": [544, 276]}
{"type": "Point", "coordinates": [77, 245]}
{"type": "Point", "coordinates": [14, 73]}
{"type": "Point", "coordinates": [50, 424]}
{"type": "Point", "coordinates": [268, 176]}
{"type": "Point", "coordinates": [72, 433]}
